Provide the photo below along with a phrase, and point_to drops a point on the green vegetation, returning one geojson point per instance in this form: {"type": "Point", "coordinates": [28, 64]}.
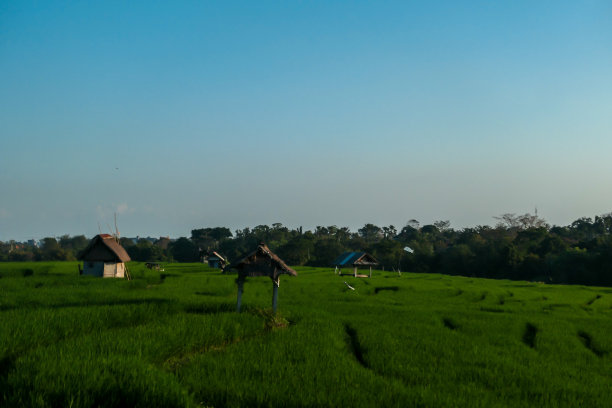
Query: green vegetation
{"type": "Point", "coordinates": [519, 247]}
{"type": "Point", "coordinates": [173, 339]}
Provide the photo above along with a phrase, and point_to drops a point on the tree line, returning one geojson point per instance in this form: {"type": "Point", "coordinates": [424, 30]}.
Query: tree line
{"type": "Point", "coordinates": [520, 247]}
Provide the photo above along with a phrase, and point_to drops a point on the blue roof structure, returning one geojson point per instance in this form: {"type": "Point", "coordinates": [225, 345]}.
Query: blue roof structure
{"type": "Point", "coordinates": [355, 259]}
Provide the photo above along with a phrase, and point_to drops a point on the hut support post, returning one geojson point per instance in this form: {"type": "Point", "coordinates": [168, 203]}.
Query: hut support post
{"type": "Point", "coordinates": [354, 271]}
{"type": "Point", "coordinates": [370, 271]}
{"type": "Point", "coordinates": [240, 282]}
{"type": "Point", "coordinates": [275, 285]}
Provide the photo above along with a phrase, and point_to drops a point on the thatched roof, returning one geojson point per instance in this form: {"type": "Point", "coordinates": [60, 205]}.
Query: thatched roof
{"type": "Point", "coordinates": [104, 248]}
{"type": "Point", "coordinates": [355, 259]}
{"type": "Point", "coordinates": [262, 262]}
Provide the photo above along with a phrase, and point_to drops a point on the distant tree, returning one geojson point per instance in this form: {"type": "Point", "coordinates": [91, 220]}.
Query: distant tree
{"type": "Point", "coordinates": [604, 223]}
{"type": "Point", "coordinates": [321, 231]}
{"type": "Point", "coordinates": [126, 242]}
{"type": "Point", "coordinates": [297, 251]}
{"type": "Point", "coordinates": [442, 225]}
{"type": "Point", "coordinates": [144, 250]}
{"type": "Point", "coordinates": [205, 238]}
{"type": "Point", "coordinates": [389, 253]}
{"type": "Point", "coordinates": [408, 233]}
{"type": "Point", "coordinates": [413, 223]}
{"type": "Point", "coordinates": [430, 229]}
{"type": "Point", "coordinates": [4, 249]}
{"type": "Point", "coordinates": [183, 250]}
{"type": "Point", "coordinates": [279, 235]}
{"type": "Point", "coordinates": [341, 234]}
{"type": "Point", "coordinates": [531, 221]}
{"type": "Point", "coordinates": [508, 220]}
{"type": "Point", "coordinates": [163, 243]}
{"type": "Point", "coordinates": [72, 246]}
{"type": "Point", "coordinates": [371, 233]}
{"type": "Point", "coordinates": [51, 251]}
{"type": "Point", "coordinates": [326, 251]}
{"type": "Point", "coordinates": [458, 260]}
{"type": "Point", "coordinates": [389, 232]}
{"type": "Point", "coordinates": [513, 221]}
{"type": "Point", "coordinates": [583, 229]}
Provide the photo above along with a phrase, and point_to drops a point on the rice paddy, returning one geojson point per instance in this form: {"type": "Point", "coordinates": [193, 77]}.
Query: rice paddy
{"type": "Point", "coordinates": [173, 339]}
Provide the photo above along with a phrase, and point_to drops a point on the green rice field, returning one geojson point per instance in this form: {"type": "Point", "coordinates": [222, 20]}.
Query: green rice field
{"type": "Point", "coordinates": [174, 339]}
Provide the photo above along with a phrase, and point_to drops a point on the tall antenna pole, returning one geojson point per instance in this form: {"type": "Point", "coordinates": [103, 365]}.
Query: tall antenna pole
{"type": "Point", "coordinates": [116, 229]}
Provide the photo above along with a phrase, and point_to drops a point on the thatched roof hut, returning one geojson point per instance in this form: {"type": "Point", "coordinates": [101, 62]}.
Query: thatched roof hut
{"type": "Point", "coordinates": [104, 257]}
{"type": "Point", "coordinates": [262, 262]}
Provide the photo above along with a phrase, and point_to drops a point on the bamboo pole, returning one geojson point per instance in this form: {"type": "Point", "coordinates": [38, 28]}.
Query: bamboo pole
{"type": "Point", "coordinates": [275, 285]}
{"type": "Point", "coordinates": [240, 282]}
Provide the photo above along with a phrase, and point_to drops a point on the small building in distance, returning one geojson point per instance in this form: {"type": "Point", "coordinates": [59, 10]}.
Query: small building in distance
{"type": "Point", "coordinates": [355, 260]}
{"type": "Point", "coordinates": [104, 257]}
{"type": "Point", "coordinates": [215, 260]}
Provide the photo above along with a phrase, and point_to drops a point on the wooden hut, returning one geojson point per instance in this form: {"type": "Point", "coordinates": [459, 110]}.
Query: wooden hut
{"type": "Point", "coordinates": [355, 260]}
{"type": "Point", "coordinates": [261, 262]}
{"type": "Point", "coordinates": [215, 260]}
{"type": "Point", "coordinates": [104, 257]}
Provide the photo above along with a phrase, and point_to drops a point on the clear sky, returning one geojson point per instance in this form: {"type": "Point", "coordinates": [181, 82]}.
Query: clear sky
{"type": "Point", "coordinates": [187, 114]}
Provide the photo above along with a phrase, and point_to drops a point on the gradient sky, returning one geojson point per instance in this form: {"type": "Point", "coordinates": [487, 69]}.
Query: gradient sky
{"type": "Point", "coordinates": [187, 114]}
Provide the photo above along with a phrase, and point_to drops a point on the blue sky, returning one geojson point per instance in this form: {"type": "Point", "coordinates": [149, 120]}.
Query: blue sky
{"type": "Point", "coordinates": [189, 114]}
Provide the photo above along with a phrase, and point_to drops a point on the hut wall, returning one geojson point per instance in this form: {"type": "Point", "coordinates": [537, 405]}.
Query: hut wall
{"type": "Point", "coordinates": [93, 268]}
{"type": "Point", "coordinates": [120, 270]}
{"type": "Point", "coordinates": [114, 270]}
{"type": "Point", "coordinates": [104, 269]}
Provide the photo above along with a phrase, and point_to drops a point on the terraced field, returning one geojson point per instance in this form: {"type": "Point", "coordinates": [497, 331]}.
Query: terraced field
{"type": "Point", "coordinates": [173, 338]}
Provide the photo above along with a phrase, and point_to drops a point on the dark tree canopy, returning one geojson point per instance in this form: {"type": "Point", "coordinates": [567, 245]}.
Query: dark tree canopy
{"type": "Point", "coordinates": [517, 247]}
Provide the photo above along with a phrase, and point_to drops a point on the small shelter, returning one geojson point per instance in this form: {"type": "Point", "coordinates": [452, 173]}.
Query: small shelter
{"type": "Point", "coordinates": [215, 260]}
{"type": "Point", "coordinates": [356, 260]}
{"type": "Point", "coordinates": [104, 257]}
{"type": "Point", "coordinates": [261, 262]}
{"type": "Point", "coordinates": [155, 266]}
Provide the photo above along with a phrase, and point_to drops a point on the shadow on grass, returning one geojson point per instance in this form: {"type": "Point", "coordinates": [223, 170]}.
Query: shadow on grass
{"type": "Point", "coordinates": [492, 310]}
{"type": "Point", "coordinates": [389, 288]}
{"type": "Point", "coordinates": [450, 323]}
{"type": "Point", "coordinates": [590, 302]}
{"type": "Point", "coordinates": [212, 308]}
{"type": "Point", "coordinates": [88, 303]}
{"type": "Point", "coordinates": [529, 336]}
{"type": "Point", "coordinates": [354, 345]}
{"type": "Point", "coordinates": [587, 340]}
{"type": "Point", "coordinates": [482, 297]}
{"type": "Point", "coordinates": [7, 363]}
{"type": "Point", "coordinates": [458, 292]}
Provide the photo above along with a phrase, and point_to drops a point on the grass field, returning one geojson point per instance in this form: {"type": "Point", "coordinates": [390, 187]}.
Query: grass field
{"type": "Point", "coordinates": [173, 338]}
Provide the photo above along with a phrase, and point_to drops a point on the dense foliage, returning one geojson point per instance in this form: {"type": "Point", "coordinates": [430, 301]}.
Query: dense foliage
{"type": "Point", "coordinates": [173, 339]}
{"type": "Point", "coordinates": [518, 247]}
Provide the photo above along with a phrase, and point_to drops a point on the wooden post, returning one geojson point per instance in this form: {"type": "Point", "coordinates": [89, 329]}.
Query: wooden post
{"type": "Point", "coordinates": [354, 271]}
{"type": "Point", "coordinates": [275, 285]}
{"type": "Point", "coordinates": [240, 282]}
{"type": "Point", "coordinates": [370, 271]}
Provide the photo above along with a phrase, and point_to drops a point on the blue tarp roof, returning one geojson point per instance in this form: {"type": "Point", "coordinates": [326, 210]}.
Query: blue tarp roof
{"type": "Point", "coordinates": [351, 258]}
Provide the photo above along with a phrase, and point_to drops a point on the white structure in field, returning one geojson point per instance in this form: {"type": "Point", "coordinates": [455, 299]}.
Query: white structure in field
{"type": "Point", "coordinates": [104, 257]}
